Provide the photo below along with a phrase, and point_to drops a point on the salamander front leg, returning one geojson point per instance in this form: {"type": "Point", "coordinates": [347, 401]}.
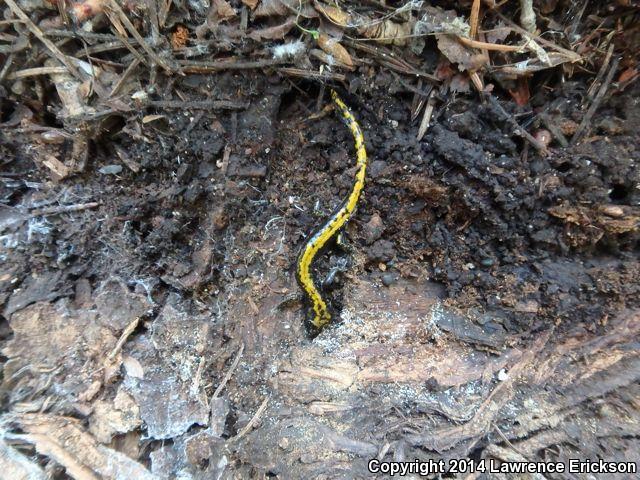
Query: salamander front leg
{"type": "Point", "coordinates": [341, 266]}
{"type": "Point", "coordinates": [343, 244]}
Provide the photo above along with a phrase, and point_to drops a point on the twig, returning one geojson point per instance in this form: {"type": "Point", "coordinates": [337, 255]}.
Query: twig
{"type": "Point", "coordinates": [123, 78]}
{"type": "Point", "coordinates": [132, 30]}
{"type": "Point", "coordinates": [64, 209]}
{"type": "Point", "coordinates": [6, 67]}
{"type": "Point", "coordinates": [473, 19]}
{"type": "Point", "coordinates": [603, 69]}
{"type": "Point", "coordinates": [34, 72]}
{"type": "Point", "coordinates": [164, 12]}
{"type": "Point", "coordinates": [387, 59]}
{"type": "Point", "coordinates": [554, 129]}
{"type": "Point", "coordinates": [229, 373]}
{"type": "Point", "coordinates": [229, 64]}
{"type": "Point", "coordinates": [574, 57]}
{"type": "Point", "coordinates": [595, 104]}
{"type": "Point", "coordinates": [527, 15]}
{"type": "Point", "coordinates": [247, 428]}
{"type": "Point", "coordinates": [224, 165]}
{"type": "Point", "coordinates": [123, 338]}
{"type": "Point", "coordinates": [490, 46]}
{"type": "Point", "coordinates": [195, 386]}
{"type": "Point", "coordinates": [477, 81]}
{"type": "Point", "coordinates": [507, 441]}
{"type": "Point", "coordinates": [122, 37]}
{"type": "Point", "coordinates": [55, 51]}
{"type": "Point", "coordinates": [530, 66]}
{"type": "Point", "coordinates": [542, 149]}
{"type": "Point", "coordinates": [152, 8]}
{"type": "Point", "coordinates": [298, 72]}
{"type": "Point", "coordinates": [100, 48]}
{"type": "Point", "coordinates": [197, 104]}
{"type": "Point", "coordinates": [90, 36]}
{"type": "Point", "coordinates": [426, 118]}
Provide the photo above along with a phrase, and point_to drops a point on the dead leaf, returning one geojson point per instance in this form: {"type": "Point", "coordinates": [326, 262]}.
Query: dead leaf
{"type": "Point", "coordinates": [251, 3]}
{"type": "Point", "coordinates": [444, 70]}
{"type": "Point", "coordinates": [333, 14]}
{"type": "Point", "coordinates": [272, 33]}
{"type": "Point", "coordinates": [627, 75]}
{"type": "Point", "coordinates": [521, 94]}
{"type": "Point", "coordinates": [589, 224]}
{"type": "Point", "coordinates": [388, 32]}
{"type": "Point", "coordinates": [268, 8]}
{"type": "Point", "coordinates": [73, 94]}
{"type": "Point", "coordinates": [437, 20]}
{"type": "Point", "coordinates": [456, 53]}
{"type": "Point", "coordinates": [170, 394]}
{"type": "Point", "coordinates": [497, 34]}
{"type": "Point", "coordinates": [332, 47]}
{"type": "Point", "coordinates": [222, 9]}
{"type": "Point", "coordinates": [460, 83]}
{"type": "Point", "coordinates": [151, 118]}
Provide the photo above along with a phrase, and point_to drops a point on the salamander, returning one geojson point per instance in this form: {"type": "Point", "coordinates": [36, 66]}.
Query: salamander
{"type": "Point", "coordinates": [326, 232]}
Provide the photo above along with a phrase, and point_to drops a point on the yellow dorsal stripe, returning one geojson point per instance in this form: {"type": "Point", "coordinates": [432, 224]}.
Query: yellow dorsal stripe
{"type": "Point", "coordinates": [321, 314]}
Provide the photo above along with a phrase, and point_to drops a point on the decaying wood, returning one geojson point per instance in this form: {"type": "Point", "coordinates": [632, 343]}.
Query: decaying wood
{"type": "Point", "coordinates": [63, 440]}
{"type": "Point", "coordinates": [480, 424]}
{"type": "Point", "coordinates": [403, 349]}
{"type": "Point", "coordinates": [17, 466]}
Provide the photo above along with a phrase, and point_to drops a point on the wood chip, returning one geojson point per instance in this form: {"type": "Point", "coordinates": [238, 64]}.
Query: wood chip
{"type": "Point", "coordinates": [59, 169]}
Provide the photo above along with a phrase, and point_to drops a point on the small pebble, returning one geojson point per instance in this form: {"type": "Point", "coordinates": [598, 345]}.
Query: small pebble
{"type": "Point", "coordinates": [388, 279]}
{"type": "Point", "coordinates": [52, 136]}
{"type": "Point", "coordinates": [611, 126]}
{"type": "Point", "coordinates": [486, 262]}
{"type": "Point", "coordinates": [613, 211]}
{"type": "Point", "coordinates": [284, 443]}
{"type": "Point", "coordinates": [140, 95]}
{"type": "Point", "coordinates": [373, 229]}
{"type": "Point", "coordinates": [568, 126]}
{"type": "Point", "coordinates": [110, 169]}
{"type": "Point", "coordinates": [18, 87]}
{"type": "Point", "coordinates": [377, 166]}
{"type": "Point", "coordinates": [503, 375]}
{"type": "Point", "coordinates": [543, 136]}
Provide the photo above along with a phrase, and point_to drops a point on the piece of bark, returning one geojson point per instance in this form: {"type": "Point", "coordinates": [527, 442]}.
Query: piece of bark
{"type": "Point", "coordinates": [63, 440]}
